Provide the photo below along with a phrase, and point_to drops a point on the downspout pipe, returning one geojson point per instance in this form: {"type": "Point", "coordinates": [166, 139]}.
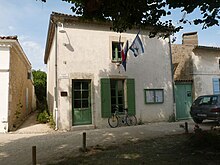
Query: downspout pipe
{"type": "Point", "coordinates": [172, 78]}
{"type": "Point", "coordinates": [56, 80]}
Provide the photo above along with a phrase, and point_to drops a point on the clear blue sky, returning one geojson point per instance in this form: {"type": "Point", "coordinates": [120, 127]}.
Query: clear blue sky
{"type": "Point", "coordinates": [29, 19]}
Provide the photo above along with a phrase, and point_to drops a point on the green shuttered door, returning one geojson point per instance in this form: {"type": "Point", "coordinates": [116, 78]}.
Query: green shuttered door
{"type": "Point", "coordinates": [106, 98]}
{"type": "Point", "coordinates": [131, 96]}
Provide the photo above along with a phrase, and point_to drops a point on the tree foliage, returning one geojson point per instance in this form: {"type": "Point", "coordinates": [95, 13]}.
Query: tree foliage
{"type": "Point", "coordinates": [40, 85]}
{"type": "Point", "coordinates": [140, 13]}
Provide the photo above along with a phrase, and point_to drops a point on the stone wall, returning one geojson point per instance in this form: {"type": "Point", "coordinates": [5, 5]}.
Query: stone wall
{"type": "Point", "coordinates": [20, 89]}
{"type": "Point", "coordinates": [182, 61]}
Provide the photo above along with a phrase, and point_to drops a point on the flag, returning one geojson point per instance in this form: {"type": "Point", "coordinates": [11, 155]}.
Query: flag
{"type": "Point", "coordinates": [137, 46]}
{"type": "Point", "coordinates": [124, 54]}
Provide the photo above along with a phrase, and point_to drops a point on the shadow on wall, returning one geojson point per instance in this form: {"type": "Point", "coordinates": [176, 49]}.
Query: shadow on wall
{"type": "Point", "coordinates": [68, 45]}
{"type": "Point", "coordinates": [159, 76]}
{"type": "Point", "coordinates": [50, 102]}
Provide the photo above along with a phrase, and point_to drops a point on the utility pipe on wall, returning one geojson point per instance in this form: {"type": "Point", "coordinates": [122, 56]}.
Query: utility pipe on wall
{"type": "Point", "coordinates": [172, 77]}
{"type": "Point", "coordinates": [56, 80]}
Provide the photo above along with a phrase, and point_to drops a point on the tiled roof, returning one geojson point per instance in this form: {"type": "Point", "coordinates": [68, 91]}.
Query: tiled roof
{"type": "Point", "coordinates": [62, 14]}
{"type": "Point", "coordinates": [9, 37]}
{"type": "Point", "coordinates": [60, 17]}
{"type": "Point", "coordinates": [13, 42]}
{"type": "Point", "coordinates": [183, 80]}
{"type": "Point", "coordinates": [207, 47]}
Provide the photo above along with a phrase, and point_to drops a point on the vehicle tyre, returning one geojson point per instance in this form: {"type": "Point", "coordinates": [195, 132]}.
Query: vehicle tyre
{"type": "Point", "coordinates": [113, 121]}
{"type": "Point", "coordinates": [131, 120]}
{"type": "Point", "coordinates": [198, 121]}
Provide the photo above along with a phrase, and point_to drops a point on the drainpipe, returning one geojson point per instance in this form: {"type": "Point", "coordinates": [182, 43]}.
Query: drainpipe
{"type": "Point", "coordinates": [56, 81]}
{"type": "Point", "coordinates": [172, 77]}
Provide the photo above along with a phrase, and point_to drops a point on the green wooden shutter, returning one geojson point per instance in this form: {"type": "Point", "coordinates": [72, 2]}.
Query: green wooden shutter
{"type": "Point", "coordinates": [131, 96]}
{"type": "Point", "coordinates": [105, 98]}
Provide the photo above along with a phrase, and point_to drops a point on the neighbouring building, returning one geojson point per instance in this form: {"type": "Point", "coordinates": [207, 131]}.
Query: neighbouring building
{"type": "Point", "coordinates": [196, 72]}
{"type": "Point", "coordinates": [17, 98]}
{"type": "Point", "coordinates": [85, 78]}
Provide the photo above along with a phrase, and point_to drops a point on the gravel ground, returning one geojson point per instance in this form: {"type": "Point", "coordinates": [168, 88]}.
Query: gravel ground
{"type": "Point", "coordinates": [16, 147]}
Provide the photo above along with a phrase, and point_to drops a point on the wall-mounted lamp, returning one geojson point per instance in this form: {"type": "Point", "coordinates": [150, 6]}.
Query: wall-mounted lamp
{"type": "Point", "coordinates": [62, 29]}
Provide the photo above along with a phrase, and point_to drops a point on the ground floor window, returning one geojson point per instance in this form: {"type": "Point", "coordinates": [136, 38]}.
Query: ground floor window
{"type": "Point", "coordinates": [117, 94]}
{"type": "Point", "coordinates": [120, 92]}
{"type": "Point", "coordinates": [154, 96]}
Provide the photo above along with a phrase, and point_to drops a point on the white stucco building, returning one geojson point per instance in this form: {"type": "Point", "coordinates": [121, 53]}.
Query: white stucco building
{"type": "Point", "coordinates": [197, 72]}
{"type": "Point", "coordinates": [85, 78]}
{"type": "Point", "coordinates": [17, 97]}
{"type": "Point", "coordinates": [206, 70]}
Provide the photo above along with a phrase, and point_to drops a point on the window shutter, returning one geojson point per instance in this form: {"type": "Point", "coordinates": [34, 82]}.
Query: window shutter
{"type": "Point", "coordinates": [215, 86]}
{"type": "Point", "coordinates": [131, 96]}
{"type": "Point", "coordinates": [29, 75]}
{"type": "Point", "coordinates": [105, 98]}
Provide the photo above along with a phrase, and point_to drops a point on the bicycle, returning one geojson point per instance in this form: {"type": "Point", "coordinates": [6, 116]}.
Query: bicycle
{"type": "Point", "coordinates": [127, 119]}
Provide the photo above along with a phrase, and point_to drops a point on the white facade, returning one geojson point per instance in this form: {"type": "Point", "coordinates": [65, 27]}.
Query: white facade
{"type": "Point", "coordinates": [206, 68]}
{"type": "Point", "coordinates": [84, 52]}
{"type": "Point", "coordinates": [4, 87]}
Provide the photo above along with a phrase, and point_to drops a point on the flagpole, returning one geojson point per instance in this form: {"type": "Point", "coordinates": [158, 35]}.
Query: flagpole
{"type": "Point", "coordinates": [139, 31]}
{"type": "Point", "coordinates": [121, 50]}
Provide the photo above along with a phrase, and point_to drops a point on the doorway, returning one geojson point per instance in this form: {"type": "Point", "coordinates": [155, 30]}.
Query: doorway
{"type": "Point", "coordinates": [81, 102]}
{"type": "Point", "coordinates": [183, 96]}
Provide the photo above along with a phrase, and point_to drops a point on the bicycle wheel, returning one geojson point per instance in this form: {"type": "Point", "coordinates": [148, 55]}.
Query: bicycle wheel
{"type": "Point", "coordinates": [113, 121]}
{"type": "Point", "coordinates": [131, 120]}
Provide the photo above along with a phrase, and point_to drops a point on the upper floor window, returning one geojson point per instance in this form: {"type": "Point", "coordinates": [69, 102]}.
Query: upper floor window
{"type": "Point", "coordinates": [116, 52]}
{"type": "Point", "coordinates": [29, 75]}
{"type": "Point", "coordinates": [216, 85]}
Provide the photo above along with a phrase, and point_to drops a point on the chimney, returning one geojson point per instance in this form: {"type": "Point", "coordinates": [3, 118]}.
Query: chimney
{"type": "Point", "coordinates": [190, 38]}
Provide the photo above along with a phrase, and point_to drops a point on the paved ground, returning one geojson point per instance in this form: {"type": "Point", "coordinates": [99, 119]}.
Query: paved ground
{"type": "Point", "coordinates": [16, 147]}
{"type": "Point", "coordinates": [31, 125]}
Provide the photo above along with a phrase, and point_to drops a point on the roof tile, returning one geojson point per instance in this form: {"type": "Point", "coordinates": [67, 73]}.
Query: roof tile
{"type": "Point", "coordinates": [9, 37]}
